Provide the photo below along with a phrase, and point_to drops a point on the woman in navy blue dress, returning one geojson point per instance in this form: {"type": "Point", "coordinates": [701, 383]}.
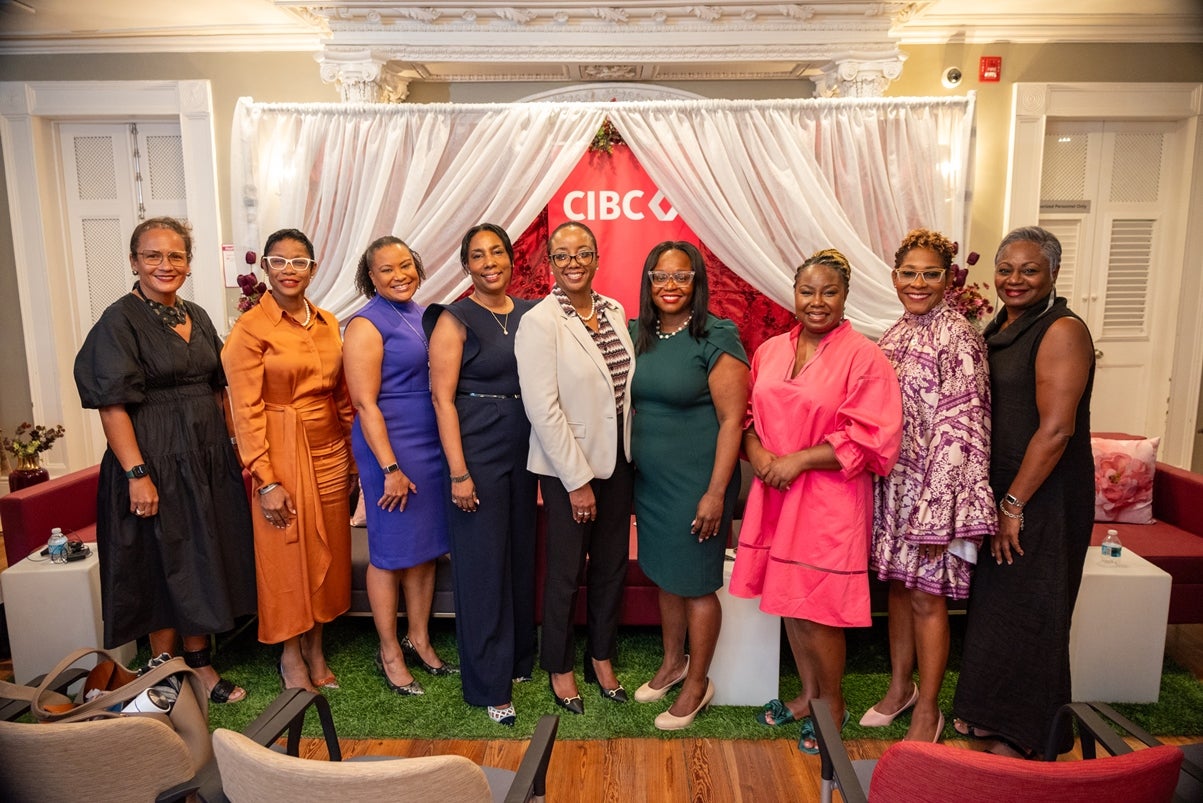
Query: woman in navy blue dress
{"type": "Point", "coordinates": [396, 445]}
{"type": "Point", "coordinates": [485, 436]}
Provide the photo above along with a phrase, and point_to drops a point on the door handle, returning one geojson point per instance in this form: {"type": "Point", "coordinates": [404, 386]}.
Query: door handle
{"type": "Point", "coordinates": [1098, 355]}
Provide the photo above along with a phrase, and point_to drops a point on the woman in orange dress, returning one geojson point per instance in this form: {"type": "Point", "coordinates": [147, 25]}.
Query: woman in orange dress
{"type": "Point", "coordinates": [292, 416]}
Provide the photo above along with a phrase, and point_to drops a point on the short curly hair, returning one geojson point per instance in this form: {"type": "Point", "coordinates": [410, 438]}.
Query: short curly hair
{"type": "Point", "coordinates": [933, 241]}
{"type": "Point", "coordinates": [832, 259]}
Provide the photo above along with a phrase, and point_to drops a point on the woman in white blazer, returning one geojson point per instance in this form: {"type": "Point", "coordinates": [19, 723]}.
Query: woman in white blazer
{"type": "Point", "coordinates": [575, 362]}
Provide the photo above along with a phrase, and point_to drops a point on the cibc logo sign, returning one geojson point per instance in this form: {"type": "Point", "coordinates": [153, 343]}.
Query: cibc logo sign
{"type": "Point", "coordinates": [612, 205]}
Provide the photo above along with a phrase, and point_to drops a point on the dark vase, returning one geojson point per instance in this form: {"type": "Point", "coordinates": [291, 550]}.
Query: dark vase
{"type": "Point", "coordinates": [28, 472]}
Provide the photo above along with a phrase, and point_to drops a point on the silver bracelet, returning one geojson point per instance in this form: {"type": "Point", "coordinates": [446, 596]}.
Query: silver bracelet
{"type": "Point", "coordinates": [1013, 502]}
{"type": "Point", "coordinates": [269, 487]}
{"type": "Point", "coordinates": [1011, 515]}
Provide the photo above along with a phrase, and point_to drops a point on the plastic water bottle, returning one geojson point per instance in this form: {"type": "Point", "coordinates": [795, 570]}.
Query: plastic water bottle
{"type": "Point", "coordinates": [57, 545]}
{"type": "Point", "coordinates": [1112, 549]}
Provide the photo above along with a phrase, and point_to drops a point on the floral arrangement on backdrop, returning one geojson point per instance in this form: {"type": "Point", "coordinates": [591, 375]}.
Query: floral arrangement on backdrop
{"type": "Point", "coordinates": [251, 290]}
{"type": "Point", "coordinates": [606, 138]}
{"type": "Point", "coordinates": [968, 299]}
{"type": "Point", "coordinates": [31, 439]}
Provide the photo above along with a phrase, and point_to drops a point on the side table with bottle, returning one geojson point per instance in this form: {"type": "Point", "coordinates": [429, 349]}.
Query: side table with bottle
{"type": "Point", "coordinates": [53, 608]}
{"type": "Point", "coordinates": [1117, 635]}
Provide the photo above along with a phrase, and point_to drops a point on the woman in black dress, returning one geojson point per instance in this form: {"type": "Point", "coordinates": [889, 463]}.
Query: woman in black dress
{"type": "Point", "coordinates": [485, 437]}
{"type": "Point", "coordinates": [173, 526]}
{"type": "Point", "coordinates": [1015, 666]}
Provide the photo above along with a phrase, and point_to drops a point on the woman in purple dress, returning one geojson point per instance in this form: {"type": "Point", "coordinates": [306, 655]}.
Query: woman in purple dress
{"type": "Point", "coordinates": [934, 508]}
{"type": "Point", "coordinates": [396, 443]}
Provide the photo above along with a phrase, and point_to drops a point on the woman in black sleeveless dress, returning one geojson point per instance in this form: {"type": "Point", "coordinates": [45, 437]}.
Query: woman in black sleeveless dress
{"type": "Point", "coordinates": [485, 437]}
{"type": "Point", "coordinates": [1015, 667]}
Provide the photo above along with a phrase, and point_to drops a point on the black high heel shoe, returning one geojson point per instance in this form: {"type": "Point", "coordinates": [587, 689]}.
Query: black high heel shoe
{"type": "Point", "coordinates": [618, 694]}
{"type": "Point", "coordinates": [411, 689]}
{"type": "Point", "coordinates": [412, 658]}
{"type": "Point", "coordinates": [574, 704]}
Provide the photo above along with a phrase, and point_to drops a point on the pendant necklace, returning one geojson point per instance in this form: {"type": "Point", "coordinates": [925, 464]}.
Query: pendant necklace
{"type": "Point", "coordinates": [680, 328]}
{"type": "Point", "coordinates": [505, 327]}
{"type": "Point", "coordinates": [421, 336]}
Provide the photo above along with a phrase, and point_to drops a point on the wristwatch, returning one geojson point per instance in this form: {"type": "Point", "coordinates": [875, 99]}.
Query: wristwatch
{"type": "Point", "coordinates": [137, 472]}
{"type": "Point", "coordinates": [390, 468]}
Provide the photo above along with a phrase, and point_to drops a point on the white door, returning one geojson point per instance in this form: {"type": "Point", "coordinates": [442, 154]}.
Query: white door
{"type": "Point", "coordinates": [114, 176]}
{"type": "Point", "coordinates": [1113, 193]}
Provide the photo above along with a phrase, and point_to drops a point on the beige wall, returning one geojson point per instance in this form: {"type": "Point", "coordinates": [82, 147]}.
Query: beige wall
{"type": "Point", "coordinates": [293, 77]}
{"type": "Point", "coordinates": [1021, 63]}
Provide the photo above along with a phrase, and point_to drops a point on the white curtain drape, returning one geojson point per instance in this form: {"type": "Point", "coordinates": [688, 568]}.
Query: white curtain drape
{"type": "Point", "coordinates": [763, 183]}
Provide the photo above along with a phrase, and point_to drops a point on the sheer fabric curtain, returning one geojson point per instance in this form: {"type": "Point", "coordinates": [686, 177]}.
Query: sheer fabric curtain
{"type": "Point", "coordinates": [767, 183]}
{"type": "Point", "coordinates": [763, 183]}
{"type": "Point", "coordinates": [347, 174]}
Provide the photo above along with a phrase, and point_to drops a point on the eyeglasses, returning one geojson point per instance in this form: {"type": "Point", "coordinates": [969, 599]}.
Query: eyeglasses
{"type": "Point", "coordinates": [298, 264]}
{"type": "Point", "coordinates": [681, 277]}
{"type": "Point", "coordinates": [582, 258]}
{"type": "Point", "coordinates": [929, 276]}
{"type": "Point", "coordinates": [177, 259]}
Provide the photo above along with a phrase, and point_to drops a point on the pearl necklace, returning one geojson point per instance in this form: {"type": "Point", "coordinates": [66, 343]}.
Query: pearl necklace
{"type": "Point", "coordinates": [308, 314]}
{"type": "Point", "coordinates": [592, 310]}
{"type": "Point", "coordinates": [680, 328]}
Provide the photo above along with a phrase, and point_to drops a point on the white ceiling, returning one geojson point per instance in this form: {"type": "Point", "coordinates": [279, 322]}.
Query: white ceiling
{"type": "Point", "coordinates": [551, 40]}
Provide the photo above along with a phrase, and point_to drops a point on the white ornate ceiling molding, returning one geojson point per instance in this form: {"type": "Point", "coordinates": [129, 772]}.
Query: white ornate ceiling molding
{"type": "Point", "coordinates": [859, 75]}
{"type": "Point", "coordinates": [637, 40]}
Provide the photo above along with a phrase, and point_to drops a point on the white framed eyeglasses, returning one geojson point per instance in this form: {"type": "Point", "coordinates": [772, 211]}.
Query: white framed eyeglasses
{"type": "Point", "coordinates": [680, 277]}
{"type": "Point", "coordinates": [279, 264]}
{"type": "Point", "coordinates": [909, 276]}
{"type": "Point", "coordinates": [177, 259]}
{"type": "Point", "coordinates": [582, 258]}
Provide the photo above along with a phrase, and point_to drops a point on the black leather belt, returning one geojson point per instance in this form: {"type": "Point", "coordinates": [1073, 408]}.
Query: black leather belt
{"type": "Point", "coordinates": [490, 395]}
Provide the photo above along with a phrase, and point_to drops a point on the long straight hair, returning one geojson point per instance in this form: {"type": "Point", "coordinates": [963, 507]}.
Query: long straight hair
{"type": "Point", "coordinates": [699, 306]}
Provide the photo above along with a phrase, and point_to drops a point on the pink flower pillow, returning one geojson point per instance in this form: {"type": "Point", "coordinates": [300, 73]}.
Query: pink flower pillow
{"type": "Point", "coordinates": [1123, 479]}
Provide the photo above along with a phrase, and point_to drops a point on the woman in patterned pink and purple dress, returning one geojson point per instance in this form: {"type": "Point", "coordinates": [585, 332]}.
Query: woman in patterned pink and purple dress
{"type": "Point", "coordinates": [933, 510]}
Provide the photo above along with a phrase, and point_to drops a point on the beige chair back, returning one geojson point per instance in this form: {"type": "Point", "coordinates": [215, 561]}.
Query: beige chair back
{"type": "Point", "coordinates": [254, 774]}
{"type": "Point", "coordinates": [122, 759]}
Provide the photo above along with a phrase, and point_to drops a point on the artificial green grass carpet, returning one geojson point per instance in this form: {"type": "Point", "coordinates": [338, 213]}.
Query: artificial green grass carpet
{"type": "Point", "coordinates": [365, 708]}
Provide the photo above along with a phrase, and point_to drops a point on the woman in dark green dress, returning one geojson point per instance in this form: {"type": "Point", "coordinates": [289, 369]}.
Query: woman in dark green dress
{"type": "Point", "coordinates": [689, 395]}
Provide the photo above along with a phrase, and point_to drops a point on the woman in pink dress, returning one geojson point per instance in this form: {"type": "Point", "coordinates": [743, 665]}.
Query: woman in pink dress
{"type": "Point", "coordinates": [826, 415]}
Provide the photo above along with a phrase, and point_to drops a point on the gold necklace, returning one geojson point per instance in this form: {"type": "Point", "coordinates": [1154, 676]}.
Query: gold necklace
{"type": "Point", "coordinates": [505, 327]}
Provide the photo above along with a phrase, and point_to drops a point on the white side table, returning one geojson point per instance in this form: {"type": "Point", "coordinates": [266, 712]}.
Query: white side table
{"type": "Point", "coordinates": [1117, 637]}
{"type": "Point", "coordinates": [746, 669]}
{"type": "Point", "coordinates": [53, 609]}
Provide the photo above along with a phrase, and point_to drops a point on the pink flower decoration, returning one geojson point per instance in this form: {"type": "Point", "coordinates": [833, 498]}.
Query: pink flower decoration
{"type": "Point", "coordinates": [1120, 481]}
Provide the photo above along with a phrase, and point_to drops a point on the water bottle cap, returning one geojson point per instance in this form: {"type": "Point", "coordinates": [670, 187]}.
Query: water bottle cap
{"type": "Point", "coordinates": [1113, 532]}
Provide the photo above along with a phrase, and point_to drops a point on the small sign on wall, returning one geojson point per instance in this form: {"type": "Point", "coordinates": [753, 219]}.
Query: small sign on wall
{"type": "Point", "coordinates": [989, 69]}
{"type": "Point", "coordinates": [229, 265]}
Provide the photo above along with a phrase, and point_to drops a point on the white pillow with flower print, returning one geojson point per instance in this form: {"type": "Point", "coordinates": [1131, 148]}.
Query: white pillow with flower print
{"type": "Point", "coordinates": [1123, 479]}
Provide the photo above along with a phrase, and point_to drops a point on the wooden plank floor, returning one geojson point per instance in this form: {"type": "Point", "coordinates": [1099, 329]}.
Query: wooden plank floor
{"type": "Point", "coordinates": [692, 770]}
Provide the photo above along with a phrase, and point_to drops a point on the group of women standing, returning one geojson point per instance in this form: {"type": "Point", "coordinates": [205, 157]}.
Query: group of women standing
{"type": "Point", "coordinates": [827, 408]}
{"type": "Point", "coordinates": [455, 414]}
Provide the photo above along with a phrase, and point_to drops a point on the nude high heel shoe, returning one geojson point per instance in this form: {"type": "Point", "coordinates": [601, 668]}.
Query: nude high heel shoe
{"type": "Point", "coordinates": [667, 722]}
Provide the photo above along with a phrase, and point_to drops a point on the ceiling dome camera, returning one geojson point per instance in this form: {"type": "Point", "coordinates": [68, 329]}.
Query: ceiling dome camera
{"type": "Point", "coordinates": [951, 77]}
